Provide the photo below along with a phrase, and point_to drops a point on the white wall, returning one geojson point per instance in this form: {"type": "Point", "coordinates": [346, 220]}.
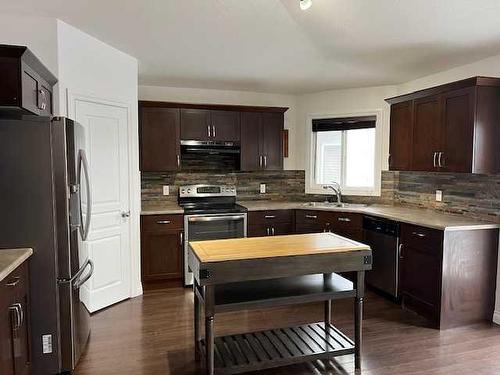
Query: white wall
{"type": "Point", "coordinates": [37, 33]}
{"type": "Point", "coordinates": [347, 102]}
{"type": "Point", "coordinates": [90, 68]}
{"type": "Point", "coordinates": [188, 95]}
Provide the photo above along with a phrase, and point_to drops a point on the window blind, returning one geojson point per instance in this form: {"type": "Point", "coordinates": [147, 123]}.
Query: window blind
{"type": "Point", "coordinates": [343, 123]}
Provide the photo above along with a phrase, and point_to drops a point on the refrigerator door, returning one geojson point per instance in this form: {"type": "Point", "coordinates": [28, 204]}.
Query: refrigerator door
{"type": "Point", "coordinates": [73, 224]}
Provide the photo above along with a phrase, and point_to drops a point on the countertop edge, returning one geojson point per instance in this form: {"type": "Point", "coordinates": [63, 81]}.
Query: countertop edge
{"type": "Point", "coordinates": [26, 253]}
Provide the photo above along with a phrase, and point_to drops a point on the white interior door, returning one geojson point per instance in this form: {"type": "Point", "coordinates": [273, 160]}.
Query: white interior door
{"type": "Point", "coordinates": [108, 243]}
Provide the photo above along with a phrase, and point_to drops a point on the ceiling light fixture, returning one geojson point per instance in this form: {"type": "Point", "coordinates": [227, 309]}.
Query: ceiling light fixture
{"type": "Point", "coordinates": [305, 4]}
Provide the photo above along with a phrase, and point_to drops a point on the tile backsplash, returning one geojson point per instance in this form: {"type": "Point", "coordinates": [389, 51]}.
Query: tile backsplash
{"type": "Point", "coordinates": [468, 194]}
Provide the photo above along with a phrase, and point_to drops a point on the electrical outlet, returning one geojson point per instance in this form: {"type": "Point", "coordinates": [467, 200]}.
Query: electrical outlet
{"type": "Point", "coordinates": [439, 195]}
{"type": "Point", "coordinates": [263, 188]}
{"type": "Point", "coordinates": [166, 190]}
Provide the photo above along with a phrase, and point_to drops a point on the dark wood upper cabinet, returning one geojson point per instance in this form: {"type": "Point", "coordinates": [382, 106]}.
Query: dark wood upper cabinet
{"type": "Point", "coordinates": [455, 128]}
{"type": "Point", "coordinates": [262, 141]}
{"type": "Point", "coordinates": [225, 125]}
{"type": "Point", "coordinates": [401, 135]}
{"type": "Point", "coordinates": [427, 133]}
{"type": "Point", "coordinates": [164, 125]}
{"type": "Point", "coordinates": [159, 139]}
{"type": "Point", "coordinates": [272, 140]}
{"type": "Point", "coordinates": [26, 85]}
{"type": "Point", "coordinates": [195, 124]}
{"type": "Point", "coordinates": [251, 155]}
{"type": "Point", "coordinates": [458, 108]}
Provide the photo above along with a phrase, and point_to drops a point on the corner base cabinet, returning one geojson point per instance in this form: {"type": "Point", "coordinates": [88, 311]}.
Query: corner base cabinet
{"type": "Point", "coordinates": [15, 351]}
{"type": "Point", "coordinates": [449, 276]}
{"type": "Point", "coordinates": [448, 128]}
{"type": "Point", "coordinates": [161, 247]}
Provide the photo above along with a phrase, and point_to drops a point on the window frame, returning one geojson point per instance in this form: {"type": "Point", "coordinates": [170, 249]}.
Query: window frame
{"type": "Point", "coordinates": [312, 187]}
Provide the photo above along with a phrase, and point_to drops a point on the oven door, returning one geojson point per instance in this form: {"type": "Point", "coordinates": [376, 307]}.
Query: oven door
{"type": "Point", "coordinates": [211, 227]}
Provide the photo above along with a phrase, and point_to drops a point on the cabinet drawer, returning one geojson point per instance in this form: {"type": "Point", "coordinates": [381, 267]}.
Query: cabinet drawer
{"type": "Point", "coordinates": [424, 239]}
{"type": "Point", "coordinates": [16, 283]}
{"type": "Point", "coordinates": [347, 222]}
{"type": "Point", "coordinates": [278, 229]}
{"type": "Point", "coordinates": [270, 217]}
{"type": "Point", "coordinates": [312, 216]}
{"type": "Point", "coordinates": [161, 223]}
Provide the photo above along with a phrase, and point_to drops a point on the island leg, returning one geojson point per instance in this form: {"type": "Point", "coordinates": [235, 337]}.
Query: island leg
{"type": "Point", "coordinates": [209, 330]}
{"type": "Point", "coordinates": [358, 317]}
{"type": "Point", "coordinates": [197, 326]}
{"type": "Point", "coordinates": [328, 304]}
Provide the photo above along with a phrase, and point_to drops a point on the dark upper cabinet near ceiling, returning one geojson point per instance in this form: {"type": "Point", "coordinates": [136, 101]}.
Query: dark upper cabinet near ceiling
{"type": "Point", "coordinates": [208, 125]}
{"type": "Point", "coordinates": [25, 83]}
{"type": "Point", "coordinates": [426, 133]}
{"type": "Point", "coordinates": [195, 124]}
{"type": "Point", "coordinates": [262, 141]}
{"type": "Point", "coordinates": [401, 136]}
{"type": "Point", "coordinates": [454, 128]}
{"type": "Point", "coordinates": [159, 139]}
{"type": "Point", "coordinates": [163, 125]}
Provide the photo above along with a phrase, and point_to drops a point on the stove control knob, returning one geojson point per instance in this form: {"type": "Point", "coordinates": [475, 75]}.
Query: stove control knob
{"type": "Point", "coordinates": [189, 191]}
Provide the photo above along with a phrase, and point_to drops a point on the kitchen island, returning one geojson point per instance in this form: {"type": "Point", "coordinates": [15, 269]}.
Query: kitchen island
{"type": "Point", "coordinates": [246, 273]}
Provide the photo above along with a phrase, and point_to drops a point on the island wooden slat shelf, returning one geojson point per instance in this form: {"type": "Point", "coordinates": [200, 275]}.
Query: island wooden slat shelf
{"type": "Point", "coordinates": [246, 273]}
{"type": "Point", "coordinates": [278, 347]}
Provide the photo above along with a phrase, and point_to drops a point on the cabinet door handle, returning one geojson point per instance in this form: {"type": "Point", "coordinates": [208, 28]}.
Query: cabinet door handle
{"type": "Point", "coordinates": [400, 251]}
{"type": "Point", "coordinates": [343, 219]}
{"type": "Point", "coordinates": [267, 231]}
{"type": "Point", "coordinates": [208, 131]}
{"type": "Point", "coordinates": [163, 222]}
{"type": "Point", "coordinates": [269, 216]}
{"type": "Point", "coordinates": [260, 161]}
{"type": "Point", "coordinates": [178, 161]}
{"type": "Point", "coordinates": [213, 131]}
{"type": "Point", "coordinates": [272, 231]}
{"type": "Point", "coordinates": [14, 281]}
{"type": "Point", "coordinates": [181, 237]}
{"type": "Point", "coordinates": [17, 309]}
{"type": "Point", "coordinates": [421, 235]}
{"type": "Point", "coordinates": [434, 160]}
{"type": "Point", "coordinates": [265, 161]}
{"type": "Point", "coordinates": [311, 217]}
{"type": "Point", "coordinates": [440, 159]}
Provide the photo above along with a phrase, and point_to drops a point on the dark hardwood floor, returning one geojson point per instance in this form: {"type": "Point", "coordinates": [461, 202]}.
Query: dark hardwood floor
{"type": "Point", "coordinates": [153, 334]}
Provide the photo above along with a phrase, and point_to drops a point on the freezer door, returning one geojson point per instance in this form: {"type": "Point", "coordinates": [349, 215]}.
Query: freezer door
{"type": "Point", "coordinates": [75, 328]}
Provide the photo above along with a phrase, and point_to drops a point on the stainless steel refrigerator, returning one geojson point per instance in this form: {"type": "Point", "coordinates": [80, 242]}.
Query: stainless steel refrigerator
{"type": "Point", "coordinates": [45, 203]}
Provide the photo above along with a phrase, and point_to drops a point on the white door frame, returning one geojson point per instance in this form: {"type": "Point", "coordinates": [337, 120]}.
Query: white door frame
{"type": "Point", "coordinates": [134, 179]}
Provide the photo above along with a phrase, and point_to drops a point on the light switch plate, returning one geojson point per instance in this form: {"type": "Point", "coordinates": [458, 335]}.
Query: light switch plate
{"type": "Point", "coordinates": [166, 190]}
{"type": "Point", "coordinates": [439, 195]}
{"type": "Point", "coordinates": [263, 188]}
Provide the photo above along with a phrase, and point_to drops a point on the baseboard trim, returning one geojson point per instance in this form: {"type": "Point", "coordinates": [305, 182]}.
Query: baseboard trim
{"type": "Point", "coordinates": [496, 317]}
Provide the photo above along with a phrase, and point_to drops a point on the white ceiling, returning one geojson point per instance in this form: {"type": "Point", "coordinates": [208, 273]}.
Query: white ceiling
{"type": "Point", "coordinates": [271, 45]}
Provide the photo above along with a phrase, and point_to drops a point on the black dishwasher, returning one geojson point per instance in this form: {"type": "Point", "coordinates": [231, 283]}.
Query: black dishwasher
{"type": "Point", "coordinates": [383, 238]}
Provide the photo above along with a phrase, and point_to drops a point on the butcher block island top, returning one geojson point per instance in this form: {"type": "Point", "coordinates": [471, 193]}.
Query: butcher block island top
{"type": "Point", "coordinates": [276, 246]}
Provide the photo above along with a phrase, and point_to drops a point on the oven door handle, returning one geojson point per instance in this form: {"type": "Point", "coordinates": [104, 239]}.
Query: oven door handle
{"type": "Point", "coordinates": [216, 218]}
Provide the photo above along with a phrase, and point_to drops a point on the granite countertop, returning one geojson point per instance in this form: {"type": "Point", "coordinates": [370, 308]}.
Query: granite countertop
{"type": "Point", "coordinates": [417, 216]}
{"type": "Point", "coordinates": [10, 259]}
{"type": "Point", "coordinates": [161, 208]}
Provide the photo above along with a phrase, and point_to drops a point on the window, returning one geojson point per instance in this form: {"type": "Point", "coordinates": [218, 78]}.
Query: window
{"type": "Point", "coordinates": [344, 152]}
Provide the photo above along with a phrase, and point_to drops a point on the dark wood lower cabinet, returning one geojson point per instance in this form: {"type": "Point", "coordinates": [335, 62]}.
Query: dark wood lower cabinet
{"type": "Point", "coordinates": [449, 276]}
{"type": "Point", "coordinates": [161, 247]}
{"type": "Point", "coordinates": [15, 351]}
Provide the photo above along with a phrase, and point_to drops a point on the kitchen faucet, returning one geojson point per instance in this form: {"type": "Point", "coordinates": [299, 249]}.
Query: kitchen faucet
{"type": "Point", "coordinates": [336, 189]}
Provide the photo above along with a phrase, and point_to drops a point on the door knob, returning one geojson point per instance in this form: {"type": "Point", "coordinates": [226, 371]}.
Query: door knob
{"type": "Point", "coordinates": [126, 214]}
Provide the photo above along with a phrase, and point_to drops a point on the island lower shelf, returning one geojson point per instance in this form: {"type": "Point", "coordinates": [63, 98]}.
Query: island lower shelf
{"type": "Point", "coordinates": [254, 351]}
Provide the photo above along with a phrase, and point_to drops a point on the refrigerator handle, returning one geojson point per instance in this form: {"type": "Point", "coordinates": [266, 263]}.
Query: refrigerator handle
{"type": "Point", "coordinates": [83, 165]}
{"type": "Point", "coordinates": [78, 282]}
